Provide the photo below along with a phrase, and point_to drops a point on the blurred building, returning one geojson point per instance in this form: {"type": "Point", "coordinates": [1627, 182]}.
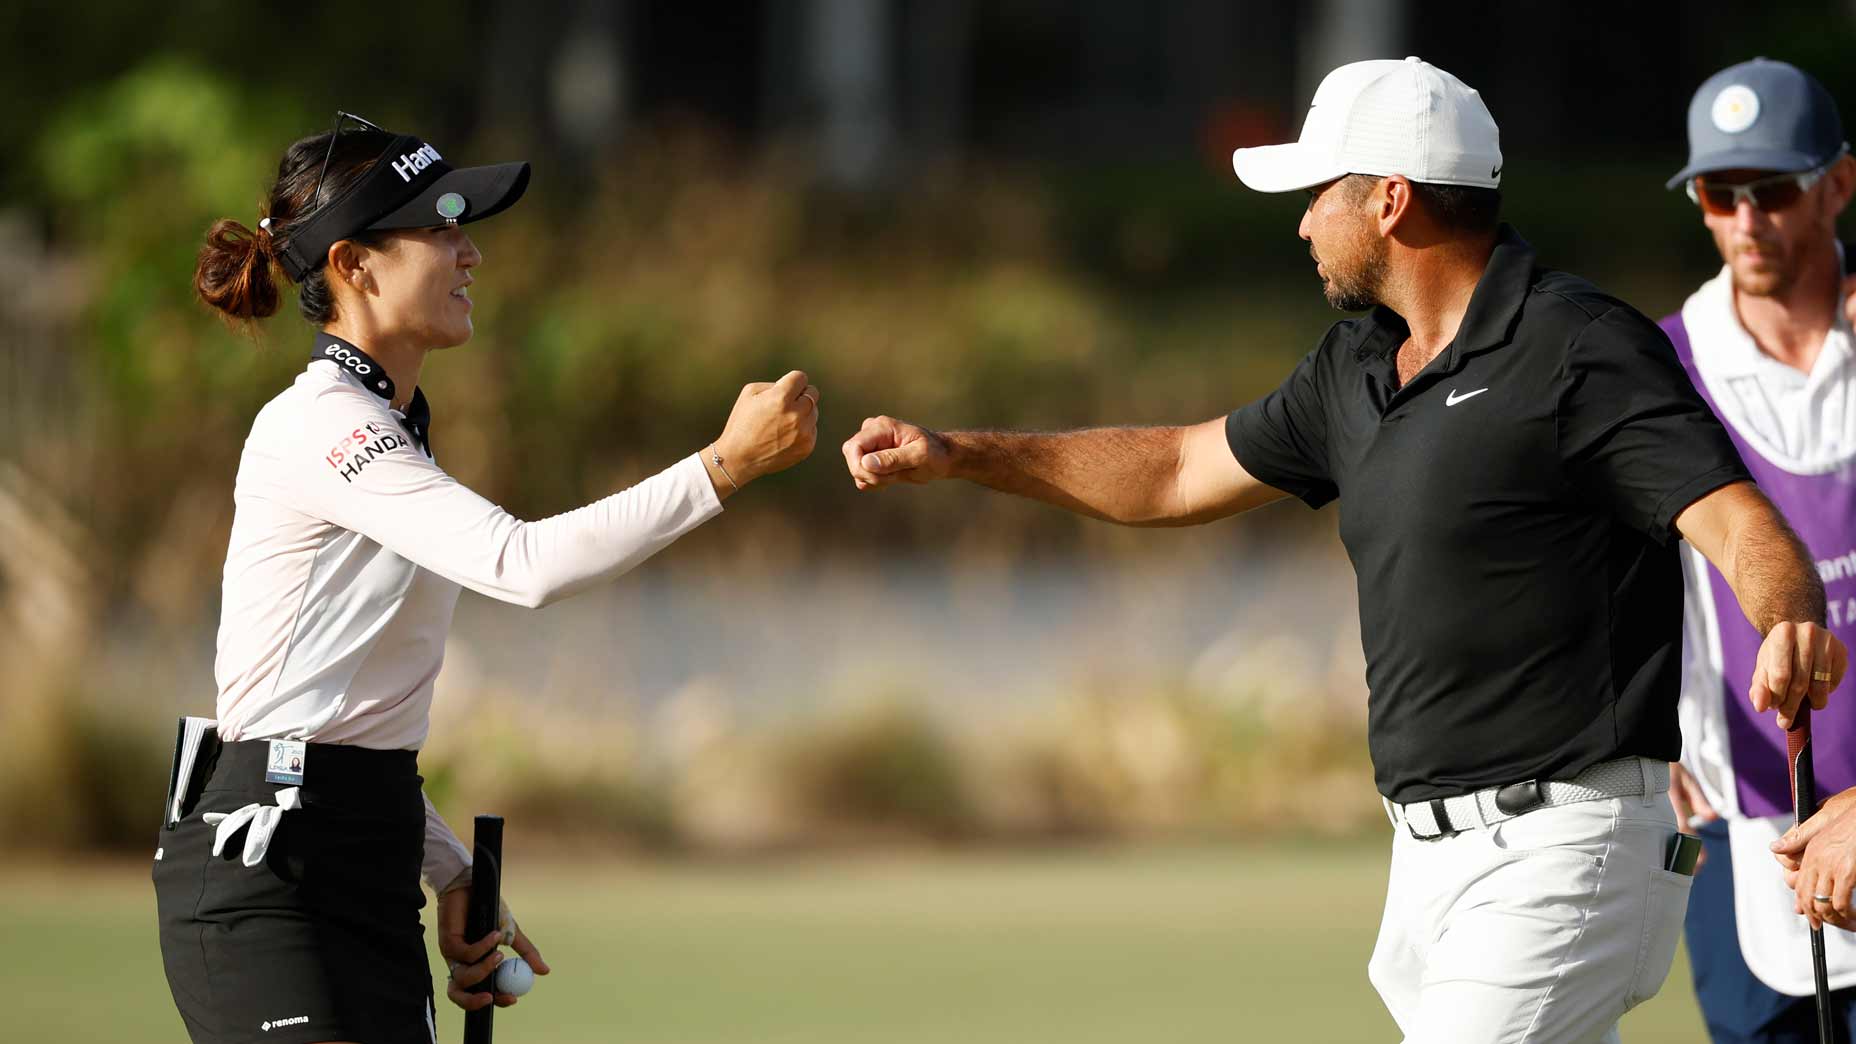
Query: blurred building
{"type": "Point", "coordinates": [882, 85]}
{"type": "Point", "coordinates": [879, 86]}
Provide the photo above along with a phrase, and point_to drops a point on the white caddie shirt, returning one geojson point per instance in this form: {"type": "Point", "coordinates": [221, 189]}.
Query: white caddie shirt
{"type": "Point", "coordinates": [349, 546]}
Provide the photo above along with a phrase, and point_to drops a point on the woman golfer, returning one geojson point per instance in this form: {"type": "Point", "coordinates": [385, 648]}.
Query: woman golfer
{"type": "Point", "coordinates": [287, 878]}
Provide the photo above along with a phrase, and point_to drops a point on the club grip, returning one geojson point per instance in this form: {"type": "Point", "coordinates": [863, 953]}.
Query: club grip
{"type": "Point", "coordinates": [1798, 756]}
{"type": "Point", "coordinates": [486, 884]}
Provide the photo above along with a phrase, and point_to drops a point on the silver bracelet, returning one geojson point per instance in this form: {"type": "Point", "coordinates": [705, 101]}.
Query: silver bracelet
{"type": "Point", "coordinates": [716, 456]}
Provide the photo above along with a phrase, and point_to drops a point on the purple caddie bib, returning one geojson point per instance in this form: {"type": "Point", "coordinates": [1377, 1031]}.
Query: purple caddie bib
{"type": "Point", "coordinates": [1822, 509]}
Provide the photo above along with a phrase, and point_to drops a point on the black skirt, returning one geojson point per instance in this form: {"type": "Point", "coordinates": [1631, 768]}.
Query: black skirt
{"type": "Point", "coordinates": [320, 941]}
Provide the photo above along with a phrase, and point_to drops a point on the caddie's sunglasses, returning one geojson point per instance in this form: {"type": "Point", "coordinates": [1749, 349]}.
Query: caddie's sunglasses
{"type": "Point", "coordinates": [1765, 194]}
{"type": "Point", "coordinates": [340, 117]}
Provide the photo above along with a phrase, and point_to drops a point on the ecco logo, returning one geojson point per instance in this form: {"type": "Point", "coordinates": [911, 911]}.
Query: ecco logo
{"type": "Point", "coordinates": [347, 358]}
{"type": "Point", "coordinates": [411, 163]}
{"type": "Point", "coordinates": [281, 1023]}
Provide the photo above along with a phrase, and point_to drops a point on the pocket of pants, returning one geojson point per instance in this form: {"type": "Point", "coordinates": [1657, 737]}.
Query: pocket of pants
{"type": "Point", "coordinates": [1664, 905]}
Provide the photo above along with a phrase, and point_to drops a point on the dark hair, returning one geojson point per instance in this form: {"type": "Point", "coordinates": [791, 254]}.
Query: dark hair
{"type": "Point", "coordinates": [1458, 208]}
{"type": "Point", "coordinates": [238, 272]}
{"type": "Point", "coordinates": [1461, 208]}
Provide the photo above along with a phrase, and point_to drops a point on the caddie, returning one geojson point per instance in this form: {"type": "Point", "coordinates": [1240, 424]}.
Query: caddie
{"type": "Point", "coordinates": [1766, 343]}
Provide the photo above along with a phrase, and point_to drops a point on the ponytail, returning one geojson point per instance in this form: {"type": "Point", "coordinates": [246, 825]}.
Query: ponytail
{"type": "Point", "coordinates": [236, 273]}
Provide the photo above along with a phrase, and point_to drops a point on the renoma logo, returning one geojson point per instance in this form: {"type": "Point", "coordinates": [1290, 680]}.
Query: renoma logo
{"type": "Point", "coordinates": [281, 1023]}
{"type": "Point", "coordinates": [411, 163]}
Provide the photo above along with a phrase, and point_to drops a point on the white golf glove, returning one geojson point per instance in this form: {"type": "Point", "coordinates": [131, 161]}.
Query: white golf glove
{"type": "Point", "coordinates": [263, 820]}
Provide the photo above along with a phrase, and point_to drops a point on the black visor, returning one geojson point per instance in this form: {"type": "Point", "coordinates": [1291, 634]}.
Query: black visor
{"type": "Point", "coordinates": [409, 186]}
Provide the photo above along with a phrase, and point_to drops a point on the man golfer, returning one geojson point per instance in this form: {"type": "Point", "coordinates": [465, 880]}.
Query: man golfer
{"type": "Point", "coordinates": [1766, 344]}
{"type": "Point", "coordinates": [1515, 453]}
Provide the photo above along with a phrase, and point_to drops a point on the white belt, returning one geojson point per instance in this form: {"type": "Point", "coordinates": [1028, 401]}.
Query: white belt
{"type": "Point", "coordinates": [1440, 817]}
{"type": "Point", "coordinates": [263, 820]}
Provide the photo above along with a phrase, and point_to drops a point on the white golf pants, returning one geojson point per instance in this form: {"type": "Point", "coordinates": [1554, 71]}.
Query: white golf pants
{"type": "Point", "coordinates": [1545, 928]}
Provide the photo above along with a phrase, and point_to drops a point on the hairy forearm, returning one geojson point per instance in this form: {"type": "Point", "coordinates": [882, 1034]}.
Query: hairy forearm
{"type": "Point", "coordinates": [1125, 475]}
{"type": "Point", "coordinates": [1800, 662]}
{"type": "Point", "coordinates": [1771, 572]}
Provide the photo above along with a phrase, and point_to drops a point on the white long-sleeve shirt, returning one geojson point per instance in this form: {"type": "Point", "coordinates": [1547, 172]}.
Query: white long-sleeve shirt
{"type": "Point", "coordinates": [349, 546]}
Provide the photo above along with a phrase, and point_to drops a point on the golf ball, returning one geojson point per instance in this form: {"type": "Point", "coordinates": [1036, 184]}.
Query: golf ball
{"type": "Point", "coordinates": [514, 976]}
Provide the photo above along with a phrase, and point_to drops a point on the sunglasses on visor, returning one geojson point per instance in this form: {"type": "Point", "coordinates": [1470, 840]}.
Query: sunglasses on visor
{"type": "Point", "coordinates": [1765, 194]}
{"type": "Point", "coordinates": [340, 118]}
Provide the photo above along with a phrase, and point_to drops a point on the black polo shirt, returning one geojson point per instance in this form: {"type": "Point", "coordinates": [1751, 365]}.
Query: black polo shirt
{"type": "Point", "coordinates": [1508, 514]}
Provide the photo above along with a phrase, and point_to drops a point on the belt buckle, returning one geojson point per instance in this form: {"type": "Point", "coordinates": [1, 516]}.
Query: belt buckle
{"type": "Point", "coordinates": [1516, 798]}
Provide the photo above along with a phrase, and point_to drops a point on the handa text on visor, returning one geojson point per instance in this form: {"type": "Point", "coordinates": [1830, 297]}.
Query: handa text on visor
{"type": "Point", "coordinates": [412, 163]}
{"type": "Point", "coordinates": [403, 168]}
{"type": "Point", "coordinates": [407, 185]}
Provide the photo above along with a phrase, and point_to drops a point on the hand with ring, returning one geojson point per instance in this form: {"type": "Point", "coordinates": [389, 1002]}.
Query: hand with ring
{"type": "Point", "coordinates": [1819, 860]}
{"type": "Point", "coordinates": [1797, 662]}
{"type": "Point", "coordinates": [772, 427]}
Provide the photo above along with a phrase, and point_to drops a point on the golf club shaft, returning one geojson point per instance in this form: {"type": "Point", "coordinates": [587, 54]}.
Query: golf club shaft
{"type": "Point", "coordinates": [1804, 803]}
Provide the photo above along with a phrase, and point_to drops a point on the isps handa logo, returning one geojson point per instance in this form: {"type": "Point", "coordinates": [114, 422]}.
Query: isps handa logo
{"type": "Point", "coordinates": [362, 447]}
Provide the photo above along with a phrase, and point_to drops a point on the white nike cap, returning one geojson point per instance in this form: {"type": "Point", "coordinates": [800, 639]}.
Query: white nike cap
{"type": "Point", "coordinates": [1384, 117]}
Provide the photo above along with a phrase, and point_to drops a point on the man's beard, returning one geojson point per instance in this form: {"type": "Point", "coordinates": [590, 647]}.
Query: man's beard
{"type": "Point", "coordinates": [1358, 289]}
{"type": "Point", "coordinates": [1774, 277]}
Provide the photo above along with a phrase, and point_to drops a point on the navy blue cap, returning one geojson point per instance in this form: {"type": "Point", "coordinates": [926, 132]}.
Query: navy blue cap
{"type": "Point", "coordinates": [1761, 115]}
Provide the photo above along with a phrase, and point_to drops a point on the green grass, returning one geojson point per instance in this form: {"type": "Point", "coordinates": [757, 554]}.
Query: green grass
{"type": "Point", "coordinates": [1177, 944]}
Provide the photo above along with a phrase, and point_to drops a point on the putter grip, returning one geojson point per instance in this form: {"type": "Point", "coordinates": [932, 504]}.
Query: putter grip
{"type": "Point", "coordinates": [1798, 756]}
{"type": "Point", "coordinates": [486, 885]}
